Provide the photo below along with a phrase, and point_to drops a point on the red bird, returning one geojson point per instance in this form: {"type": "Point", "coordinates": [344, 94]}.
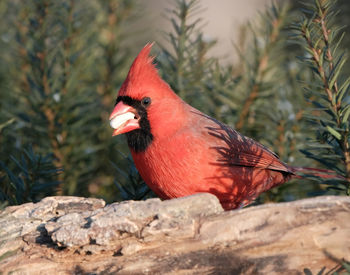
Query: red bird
{"type": "Point", "coordinates": [180, 151]}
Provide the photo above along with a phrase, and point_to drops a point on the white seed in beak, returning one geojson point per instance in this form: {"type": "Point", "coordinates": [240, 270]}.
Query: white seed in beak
{"type": "Point", "coordinates": [119, 120]}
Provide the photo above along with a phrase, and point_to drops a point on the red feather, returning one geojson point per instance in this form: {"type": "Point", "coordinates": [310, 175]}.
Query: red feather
{"type": "Point", "coordinates": [191, 152]}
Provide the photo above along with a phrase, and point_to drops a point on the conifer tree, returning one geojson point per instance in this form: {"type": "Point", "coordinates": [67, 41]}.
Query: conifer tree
{"type": "Point", "coordinates": [62, 63]}
{"type": "Point", "coordinates": [55, 85]}
{"type": "Point", "coordinates": [328, 93]}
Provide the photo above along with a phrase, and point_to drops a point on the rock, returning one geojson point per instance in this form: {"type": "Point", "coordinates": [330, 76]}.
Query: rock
{"type": "Point", "coordinates": [191, 235]}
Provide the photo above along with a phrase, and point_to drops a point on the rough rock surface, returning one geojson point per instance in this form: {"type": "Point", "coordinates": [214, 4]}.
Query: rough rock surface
{"type": "Point", "coordinates": [192, 235]}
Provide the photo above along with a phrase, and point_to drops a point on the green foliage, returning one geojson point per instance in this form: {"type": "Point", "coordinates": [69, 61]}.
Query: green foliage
{"type": "Point", "coordinates": [33, 178]}
{"type": "Point", "coordinates": [62, 58]}
{"type": "Point", "coordinates": [184, 64]}
{"type": "Point", "coordinates": [329, 93]}
{"type": "Point", "coordinates": [130, 184]}
{"type": "Point", "coordinates": [343, 267]}
{"type": "Point", "coordinates": [62, 62]}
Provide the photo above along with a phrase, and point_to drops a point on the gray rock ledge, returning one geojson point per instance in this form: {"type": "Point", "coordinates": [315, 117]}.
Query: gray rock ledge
{"type": "Point", "coordinates": [191, 235]}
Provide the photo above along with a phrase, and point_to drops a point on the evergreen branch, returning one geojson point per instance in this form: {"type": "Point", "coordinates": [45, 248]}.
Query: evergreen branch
{"type": "Point", "coordinates": [110, 51]}
{"type": "Point", "coordinates": [253, 94]}
{"type": "Point", "coordinates": [320, 46]}
{"type": "Point", "coordinates": [33, 177]}
{"type": "Point", "coordinates": [47, 108]}
{"type": "Point", "coordinates": [281, 138]}
{"type": "Point", "coordinates": [6, 123]}
{"type": "Point", "coordinates": [186, 67]}
{"type": "Point", "coordinates": [66, 47]}
{"type": "Point", "coordinates": [261, 67]}
{"type": "Point", "coordinates": [56, 64]}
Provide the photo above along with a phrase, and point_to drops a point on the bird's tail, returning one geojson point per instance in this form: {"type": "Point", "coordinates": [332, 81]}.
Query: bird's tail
{"type": "Point", "coordinates": [321, 173]}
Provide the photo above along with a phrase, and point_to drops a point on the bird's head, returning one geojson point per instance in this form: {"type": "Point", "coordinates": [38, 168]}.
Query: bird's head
{"type": "Point", "coordinates": [146, 105]}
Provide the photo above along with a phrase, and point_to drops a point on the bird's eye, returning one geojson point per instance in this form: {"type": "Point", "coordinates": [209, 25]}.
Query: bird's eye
{"type": "Point", "coordinates": [146, 101]}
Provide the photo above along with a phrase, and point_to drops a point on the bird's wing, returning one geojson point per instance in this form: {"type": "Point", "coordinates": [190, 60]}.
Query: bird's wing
{"type": "Point", "coordinates": [234, 149]}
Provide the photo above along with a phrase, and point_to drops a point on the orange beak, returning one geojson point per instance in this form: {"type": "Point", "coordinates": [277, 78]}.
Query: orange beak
{"type": "Point", "coordinates": [123, 119]}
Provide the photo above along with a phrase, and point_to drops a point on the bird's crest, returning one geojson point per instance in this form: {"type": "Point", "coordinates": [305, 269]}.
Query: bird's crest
{"type": "Point", "coordinates": [141, 71]}
{"type": "Point", "coordinates": [143, 63]}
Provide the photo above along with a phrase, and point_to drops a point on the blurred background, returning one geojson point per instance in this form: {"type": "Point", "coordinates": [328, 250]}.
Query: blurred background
{"type": "Point", "coordinates": [245, 62]}
{"type": "Point", "coordinates": [222, 22]}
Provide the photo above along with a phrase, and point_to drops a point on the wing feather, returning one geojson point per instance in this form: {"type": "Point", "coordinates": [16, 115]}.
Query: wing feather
{"type": "Point", "coordinates": [234, 149]}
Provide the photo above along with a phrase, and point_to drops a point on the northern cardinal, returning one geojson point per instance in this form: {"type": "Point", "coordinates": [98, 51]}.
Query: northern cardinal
{"type": "Point", "coordinates": [180, 151]}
